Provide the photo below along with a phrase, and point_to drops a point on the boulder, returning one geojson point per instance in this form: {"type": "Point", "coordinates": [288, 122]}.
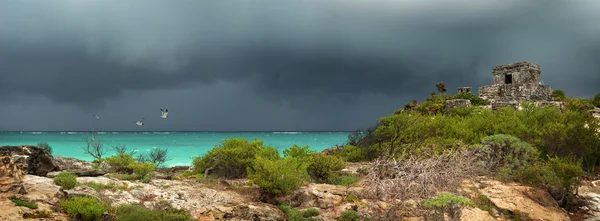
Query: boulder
{"type": "Point", "coordinates": [81, 167]}
{"type": "Point", "coordinates": [12, 169]}
{"type": "Point", "coordinates": [38, 161]}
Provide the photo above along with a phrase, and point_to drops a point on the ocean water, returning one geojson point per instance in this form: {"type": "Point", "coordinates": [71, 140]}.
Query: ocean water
{"type": "Point", "coordinates": [182, 146]}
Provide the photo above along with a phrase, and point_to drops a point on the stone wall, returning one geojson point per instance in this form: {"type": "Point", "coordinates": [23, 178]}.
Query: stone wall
{"type": "Point", "coordinates": [464, 90]}
{"type": "Point", "coordinates": [457, 103]}
{"type": "Point", "coordinates": [516, 93]}
{"type": "Point", "coordinates": [522, 73]}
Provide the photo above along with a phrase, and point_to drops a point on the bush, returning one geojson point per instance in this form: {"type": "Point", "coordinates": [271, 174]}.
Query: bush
{"type": "Point", "coordinates": [322, 166]}
{"type": "Point", "coordinates": [19, 202]}
{"type": "Point", "coordinates": [342, 180]}
{"type": "Point", "coordinates": [139, 213]}
{"type": "Point", "coordinates": [278, 177]}
{"type": "Point", "coordinates": [66, 180]}
{"type": "Point", "coordinates": [232, 158]}
{"type": "Point", "coordinates": [141, 170]}
{"type": "Point", "coordinates": [45, 146]}
{"type": "Point", "coordinates": [563, 177]}
{"type": "Point", "coordinates": [349, 215]}
{"type": "Point", "coordinates": [505, 154]}
{"type": "Point", "coordinates": [447, 203]}
{"type": "Point", "coordinates": [37, 214]}
{"type": "Point", "coordinates": [559, 95]}
{"type": "Point", "coordinates": [84, 208]}
{"type": "Point", "coordinates": [294, 214]}
{"type": "Point", "coordinates": [121, 162]}
{"type": "Point", "coordinates": [597, 100]}
{"type": "Point", "coordinates": [579, 104]}
{"type": "Point", "coordinates": [355, 154]}
{"type": "Point", "coordinates": [298, 152]}
{"type": "Point", "coordinates": [475, 100]}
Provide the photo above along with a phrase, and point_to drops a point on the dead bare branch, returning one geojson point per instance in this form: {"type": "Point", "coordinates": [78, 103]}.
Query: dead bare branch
{"type": "Point", "coordinates": [94, 145]}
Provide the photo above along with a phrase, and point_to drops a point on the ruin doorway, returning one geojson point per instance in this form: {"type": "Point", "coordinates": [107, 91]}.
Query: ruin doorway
{"type": "Point", "coordinates": [508, 79]}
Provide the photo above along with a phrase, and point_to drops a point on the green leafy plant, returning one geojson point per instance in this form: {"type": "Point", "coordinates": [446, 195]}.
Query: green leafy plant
{"type": "Point", "coordinates": [84, 208]}
{"type": "Point", "coordinates": [19, 202]}
{"type": "Point", "coordinates": [232, 158]}
{"type": "Point", "coordinates": [66, 180]}
{"type": "Point", "coordinates": [139, 213]}
{"type": "Point", "coordinates": [298, 152]}
{"type": "Point", "coordinates": [597, 100]}
{"type": "Point", "coordinates": [349, 215]}
{"type": "Point", "coordinates": [322, 166]}
{"type": "Point", "coordinates": [475, 100]}
{"type": "Point", "coordinates": [294, 214]}
{"type": "Point", "coordinates": [342, 180]}
{"type": "Point", "coordinates": [278, 177]}
{"type": "Point", "coordinates": [447, 203]}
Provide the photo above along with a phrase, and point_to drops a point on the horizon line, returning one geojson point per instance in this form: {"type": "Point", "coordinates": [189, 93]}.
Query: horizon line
{"type": "Point", "coordinates": [217, 131]}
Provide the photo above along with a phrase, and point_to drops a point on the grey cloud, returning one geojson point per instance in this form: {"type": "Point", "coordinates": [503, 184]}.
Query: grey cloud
{"type": "Point", "coordinates": [305, 54]}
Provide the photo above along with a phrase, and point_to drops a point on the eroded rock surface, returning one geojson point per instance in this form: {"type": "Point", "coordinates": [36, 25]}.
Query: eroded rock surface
{"type": "Point", "coordinates": [37, 160]}
{"type": "Point", "coordinates": [80, 167]}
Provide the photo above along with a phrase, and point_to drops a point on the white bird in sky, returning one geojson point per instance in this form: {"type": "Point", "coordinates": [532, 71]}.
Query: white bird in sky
{"type": "Point", "coordinates": [163, 114]}
{"type": "Point", "coordinates": [140, 122]}
{"type": "Point", "coordinates": [97, 117]}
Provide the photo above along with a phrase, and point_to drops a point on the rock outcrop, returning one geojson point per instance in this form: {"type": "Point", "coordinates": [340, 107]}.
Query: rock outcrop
{"type": "Point", "coordinates": [81, 167]}
{"type": "Point", "coordinates": [37, 160]}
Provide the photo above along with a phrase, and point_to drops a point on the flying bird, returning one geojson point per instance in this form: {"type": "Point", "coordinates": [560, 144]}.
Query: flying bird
{"type": "Point", "coordinates": [163, 114]}
{"type": "Point", "coordinates": [140, 122]}
{"type": "Point", "coordinates": [97, 117]}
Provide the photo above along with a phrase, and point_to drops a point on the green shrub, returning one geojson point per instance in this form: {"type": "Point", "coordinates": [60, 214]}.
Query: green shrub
{"type": "Point", "coordinates": [596, 100]}
{"type": "Point", "coordinates": [84, 208]}
{"type": "Point", "coordinates": [124, 176]}
{"type": "Point", "coordinates": [349, 215]}
{"type": "Point", "coordinates": [37, 214]}
{"type": "Point", "coordinates": [447, 203]}
{"type": "Point", "coordinates": [355, 154]}
{"type": "Point", "coordinates": [19, 202]}
{"type": "Point", "coordinates": [506, 154]}
{"type": "Point", "coordinates": [278, 177]}
{"type": "Point", "coordinates": [298, 152]}
{"type": "Point", "coordinates": [294, 214]}
{"type": "Point", "coordinates": [579, 104]}
{"type": "Point", "coordinates": [232, 157]}
{"type": "Point", "coordinates": [121, 162]}
{"type": "Point", "coordinates": [101, 186]}
{"type": "Point", "coordinates": [322, 166]}
{"type": "Point", "coordinates": [342, 180]}
{"type": "Point", "coordinates": [563, 177]}
{"type": "Point", "coordinates": [559, 95]}
{"type": "Point", "coordinates": [310, 212]}
{"type": "Point", "coordinates": [139, 213]}
{"type": "Point", "coordinates": [45, 146]}
{"type": "Point", "coordinates": [66, 180]}
{"type": "Point", "coordinates": [475, 100]}
{"type": "Point", "coordinates": [141, 170]}
{"type": "Point", "coordinates": [350, 197]}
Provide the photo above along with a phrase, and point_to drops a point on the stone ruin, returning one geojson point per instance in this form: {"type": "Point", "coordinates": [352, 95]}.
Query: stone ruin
{"type": "Point", "coordinates": [464, 90]}
{"type": "Point", "coordinates": [515, 83]}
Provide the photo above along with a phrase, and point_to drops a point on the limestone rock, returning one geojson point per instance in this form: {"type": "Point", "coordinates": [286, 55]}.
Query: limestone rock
{"type": "Point", "coordinates": [512, 197]}
{"type": "Point", "coordinates": [38, 161]}
{"type": "Point", "coordinates": [457, 103]}
{"type": "Point", "coordinates": [81, 167]}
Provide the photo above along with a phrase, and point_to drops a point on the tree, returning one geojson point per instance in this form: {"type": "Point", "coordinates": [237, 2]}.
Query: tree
{"type": "Point", "coordinates": [159, 156]}
{"type": "Point", "coordinates": [441, 87]}
{"type": "Point", "coordinates": [558, 95]}
{"type": "Point", "coordinates": [597, 100]}
{"type": "Point", "coordinates": [94, 146]}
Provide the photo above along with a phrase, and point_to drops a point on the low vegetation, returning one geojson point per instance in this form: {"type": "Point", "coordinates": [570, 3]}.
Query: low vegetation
{"type": "Point", "coordinates": [45, 146]}
{"type": "Point", "coordinates": [446, 203]}
{"type": "Point", "coordinates": [23, 203]}
{"type": "Point", "coordinates": [66, 180]}
{"type": "Point", "coordinates": [37, 214]}
{"type": "Point", "coordinates": [294, 214]}
{"type": "Point", "coordinates": [139, 213]}
{"type": "Point", "coordinates": [128, 168]}
{"type": "Point", "coordinates": [84, 208]}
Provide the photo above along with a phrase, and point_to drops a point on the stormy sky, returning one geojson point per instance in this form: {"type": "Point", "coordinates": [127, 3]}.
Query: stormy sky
{"type": "Point", "coordinates": [272, 65]}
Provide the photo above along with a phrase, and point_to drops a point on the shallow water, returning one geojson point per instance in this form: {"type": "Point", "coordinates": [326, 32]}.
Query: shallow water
{"type": "Point", "coordinates": [182, 146]}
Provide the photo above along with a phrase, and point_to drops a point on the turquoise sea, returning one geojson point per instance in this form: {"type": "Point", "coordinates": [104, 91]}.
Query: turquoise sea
{"type": "Point", "coordinates": [182, 146]}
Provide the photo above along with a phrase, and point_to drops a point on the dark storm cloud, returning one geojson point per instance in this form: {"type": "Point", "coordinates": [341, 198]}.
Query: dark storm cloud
{"type": "Point", "coordinates": [307, 54]}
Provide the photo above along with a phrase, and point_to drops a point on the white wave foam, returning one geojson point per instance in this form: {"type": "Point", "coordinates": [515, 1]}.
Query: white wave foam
{"type": "Point", "coordinates": [291, 132]}
{"type": "Point", "coordinates": [36, 132]}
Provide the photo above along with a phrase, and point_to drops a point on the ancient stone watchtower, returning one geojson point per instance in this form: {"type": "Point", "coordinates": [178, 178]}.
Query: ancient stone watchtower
{"type": "Point", "coordinates": [514, 83]}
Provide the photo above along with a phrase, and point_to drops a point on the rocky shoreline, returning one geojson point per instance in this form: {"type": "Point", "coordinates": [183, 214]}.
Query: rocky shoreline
{"type": "Point", "coordinates": [26, 174]}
